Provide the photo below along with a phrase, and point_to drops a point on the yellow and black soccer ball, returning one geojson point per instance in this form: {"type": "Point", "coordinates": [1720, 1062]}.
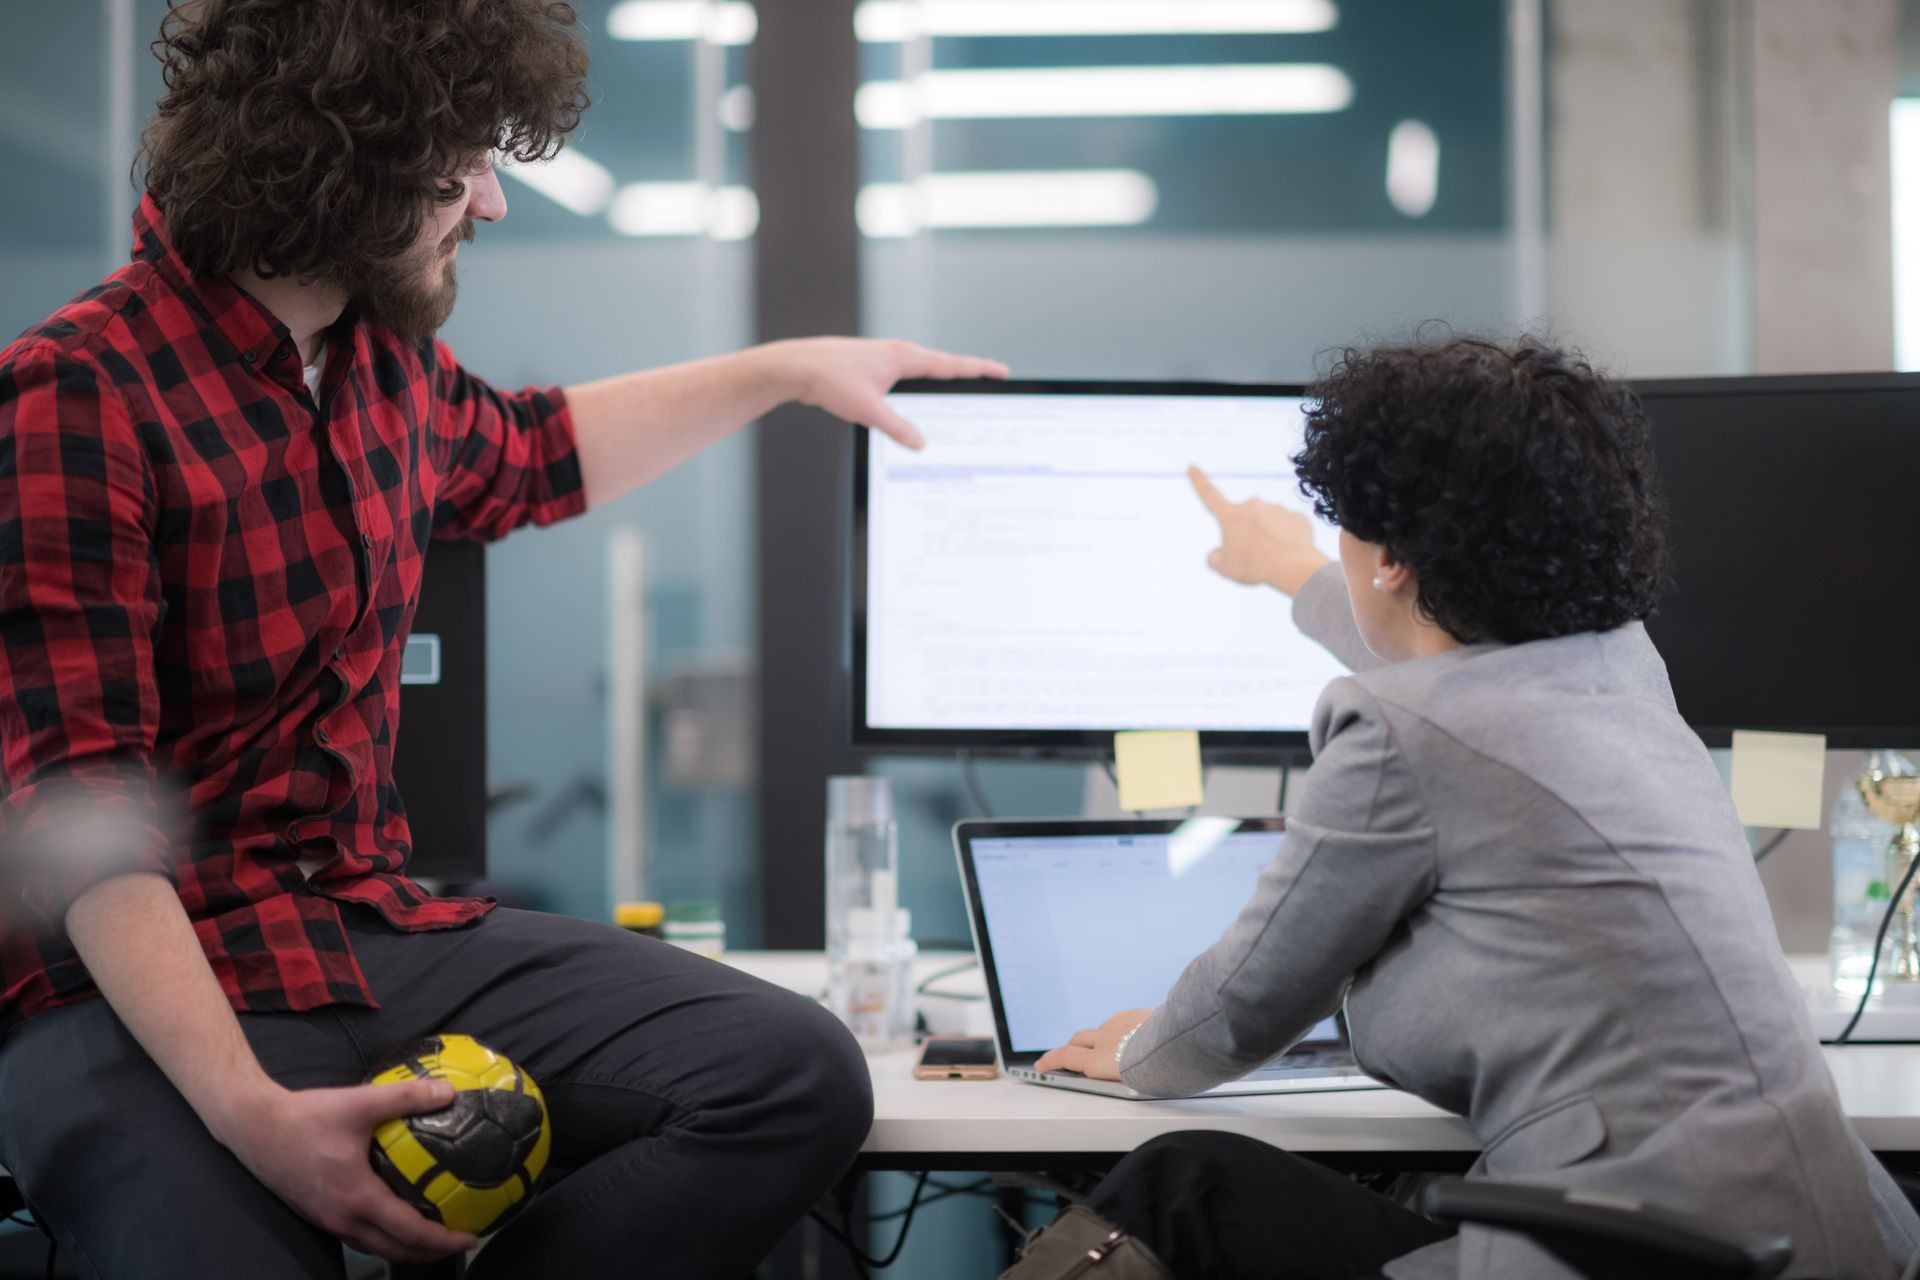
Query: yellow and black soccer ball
{"type": "Point", "coordinates": [470, 1165]}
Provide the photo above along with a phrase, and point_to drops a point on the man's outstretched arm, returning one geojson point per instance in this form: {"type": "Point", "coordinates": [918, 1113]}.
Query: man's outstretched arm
{"type": "Point", "coordinates": [637, 427]}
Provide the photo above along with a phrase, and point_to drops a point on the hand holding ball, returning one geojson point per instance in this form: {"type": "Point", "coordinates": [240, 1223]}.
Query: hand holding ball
{"type": "Point", "coordinates": [472, 1164]}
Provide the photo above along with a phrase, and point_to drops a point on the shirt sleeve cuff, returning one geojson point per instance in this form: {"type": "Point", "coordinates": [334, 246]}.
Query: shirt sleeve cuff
{"type": "Point", "coordinates": [564, 484]}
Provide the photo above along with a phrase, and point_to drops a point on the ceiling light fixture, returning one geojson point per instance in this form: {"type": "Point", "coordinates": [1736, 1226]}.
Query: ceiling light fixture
{"type": "Point", "coordinates": [1413, 168]}
{"type": "Point", "coordinates": [1005, 200]}
{"type": "Point", "coordinates": [896, 21]}
{"type": "Point", "coordinates": [1069, 92]}
{"type": "Point", "coordinates": [732, 22]}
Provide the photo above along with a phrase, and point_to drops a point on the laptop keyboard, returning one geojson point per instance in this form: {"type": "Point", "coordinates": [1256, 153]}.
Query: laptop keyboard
{"type": "Point", "coordinates": [1294, 1063]}
{"type": "Point", "coordinates": [1330, 1063]}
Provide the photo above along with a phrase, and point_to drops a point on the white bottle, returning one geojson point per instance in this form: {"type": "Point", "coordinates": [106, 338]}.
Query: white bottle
{"type": "Point", "coordinates": [906, 1005]}
{"type": "Point", "coordinates": [871, 988]}
{"type": "Point", "coordinates": [869, 961]}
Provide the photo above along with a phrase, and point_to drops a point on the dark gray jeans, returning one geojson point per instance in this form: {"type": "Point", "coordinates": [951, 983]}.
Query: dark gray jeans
{"type": "Point", "coordinates": [697, 1112]}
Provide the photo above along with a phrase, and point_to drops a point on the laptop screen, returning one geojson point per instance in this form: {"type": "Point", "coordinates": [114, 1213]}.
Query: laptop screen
{"type": "Point", "coordinates": [1082, 926]}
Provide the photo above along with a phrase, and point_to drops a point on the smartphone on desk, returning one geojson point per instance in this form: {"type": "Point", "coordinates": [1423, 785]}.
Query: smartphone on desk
{"type": "Point", "coordinates": [957, 1058]}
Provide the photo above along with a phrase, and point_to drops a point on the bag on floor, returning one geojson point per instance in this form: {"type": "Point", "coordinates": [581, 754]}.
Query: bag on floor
{"type": "Point", "coordinates": [1081, 1243]}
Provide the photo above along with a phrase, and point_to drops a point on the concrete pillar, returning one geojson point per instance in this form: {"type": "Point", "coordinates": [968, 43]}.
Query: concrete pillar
{"type": "Point", "coordinates": [1824, 77]}
{"type": "Point", "coordinates": [1632, 156]}
{"type": "Point", "coordinates": [1647, 255]}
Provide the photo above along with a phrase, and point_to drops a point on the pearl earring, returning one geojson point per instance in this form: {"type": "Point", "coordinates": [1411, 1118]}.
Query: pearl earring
{"type": "Point", "coordinates": [1376, 584]}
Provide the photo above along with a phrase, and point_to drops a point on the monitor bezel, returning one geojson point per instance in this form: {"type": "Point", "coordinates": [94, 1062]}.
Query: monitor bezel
{"type": "Point", "coordinates": [1225, 745]}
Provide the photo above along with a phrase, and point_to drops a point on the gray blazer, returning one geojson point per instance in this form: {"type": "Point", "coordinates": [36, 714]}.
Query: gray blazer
{"type": "Point", "coordinates": [1523, 874]}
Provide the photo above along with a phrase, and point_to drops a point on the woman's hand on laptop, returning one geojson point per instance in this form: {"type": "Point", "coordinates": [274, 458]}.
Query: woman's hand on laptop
{"type": "Point", "coordinates": [1260, 544]}
{"type": "Point", "coordinates": [1095, 1053]}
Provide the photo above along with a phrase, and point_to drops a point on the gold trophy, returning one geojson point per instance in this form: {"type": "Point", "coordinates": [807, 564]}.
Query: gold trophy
{"type": "Point", "coordinates": [1895, 798]}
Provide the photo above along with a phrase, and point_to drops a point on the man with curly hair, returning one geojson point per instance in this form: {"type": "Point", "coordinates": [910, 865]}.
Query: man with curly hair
{"type": "Point", "coordinates": [223, 465]}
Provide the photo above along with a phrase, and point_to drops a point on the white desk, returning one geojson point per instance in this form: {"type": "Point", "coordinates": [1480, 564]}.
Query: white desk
{"type": "Point", "coordinates": [1886, 1018]}
{"type": "Point", "coordinates": [1003, 1119]}
{"type": "Point", "coordinates": [1005, 1123]}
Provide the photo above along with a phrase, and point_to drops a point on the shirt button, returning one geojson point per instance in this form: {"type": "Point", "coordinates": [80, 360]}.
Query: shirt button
{"type": "Point", "coordinates": [366, 540]}
{"type": "Point", "coordinates": [249, 355]}
{"type": "Point", "coordinates": [340, 653]}
{"type": "Point", "coordinates": [320, 736]}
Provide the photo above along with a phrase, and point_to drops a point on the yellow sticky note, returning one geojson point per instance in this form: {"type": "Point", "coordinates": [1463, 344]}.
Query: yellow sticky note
{"type": "Point", "coordinates": [1158, 768]}
{"type": "Point", "coordinates": [1779, 778]}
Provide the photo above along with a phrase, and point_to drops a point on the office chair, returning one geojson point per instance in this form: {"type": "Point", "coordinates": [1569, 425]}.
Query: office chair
{"type": "Point", "coordinates": [1609, 1237]}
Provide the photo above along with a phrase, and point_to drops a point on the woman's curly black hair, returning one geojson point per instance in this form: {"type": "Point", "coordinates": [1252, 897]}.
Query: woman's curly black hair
{"type": "Point", "coordinates": [1517, 483]}
{"type": "Point", "coordinates": [312, 138]}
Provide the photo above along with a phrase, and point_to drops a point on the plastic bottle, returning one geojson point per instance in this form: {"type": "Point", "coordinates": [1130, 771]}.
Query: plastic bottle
{"type": "Point", "coordinates": [1860, 884]}
{"type": "Point", "coordinates": [872, 984]}
{"type": "Point", "coordinates": [869, 953]}
{"type": "Point", "coordinates": [696, 927]}
{"type": "Point", "coordinates": [906, 1003]}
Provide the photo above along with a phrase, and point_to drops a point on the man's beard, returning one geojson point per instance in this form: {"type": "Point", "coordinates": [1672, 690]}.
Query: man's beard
{"type": "Point", "coordinates": [404, 301]}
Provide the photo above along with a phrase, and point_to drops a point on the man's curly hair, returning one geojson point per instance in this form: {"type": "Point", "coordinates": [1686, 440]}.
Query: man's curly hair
{"type": "Point", "coordinates": [1515, 482]}
{"type": "Point", "coordinates": [312, 138]}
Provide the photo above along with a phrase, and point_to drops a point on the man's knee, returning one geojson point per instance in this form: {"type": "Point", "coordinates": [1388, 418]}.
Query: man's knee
{"type": "Point", "coordinates": [842, 1085]}
{"type": "Point", "coordinates": [815, 1069]}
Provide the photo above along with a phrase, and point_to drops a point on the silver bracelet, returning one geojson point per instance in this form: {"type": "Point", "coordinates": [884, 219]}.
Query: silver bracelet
{"type": "Point", "coordinates": [1121, 1048]}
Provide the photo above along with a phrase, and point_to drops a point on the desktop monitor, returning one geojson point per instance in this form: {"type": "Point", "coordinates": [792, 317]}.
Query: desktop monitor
{"type": "Point", "coordinates": [1794, 530]}
{"type": "Point", "coordinates": [1036, 578]}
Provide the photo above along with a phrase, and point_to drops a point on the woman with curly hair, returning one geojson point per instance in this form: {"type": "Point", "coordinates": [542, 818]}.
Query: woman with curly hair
{"type": "Point", "coordinates": [1512, 862]}
{"type": "Point", "coordinates": [221, 470]}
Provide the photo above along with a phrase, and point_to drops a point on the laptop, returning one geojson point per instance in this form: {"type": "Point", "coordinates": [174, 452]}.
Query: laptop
{"type": "Point", "coordinates": [1076, 920]}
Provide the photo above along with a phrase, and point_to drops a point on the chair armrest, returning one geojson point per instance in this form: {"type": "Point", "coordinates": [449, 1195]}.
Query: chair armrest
{"type": "Point", "coordinates": [1605, 1237]}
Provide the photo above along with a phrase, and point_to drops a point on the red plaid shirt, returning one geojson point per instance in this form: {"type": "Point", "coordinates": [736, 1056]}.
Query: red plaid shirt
{"type": "Point", "coordinates": [206, 580]}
